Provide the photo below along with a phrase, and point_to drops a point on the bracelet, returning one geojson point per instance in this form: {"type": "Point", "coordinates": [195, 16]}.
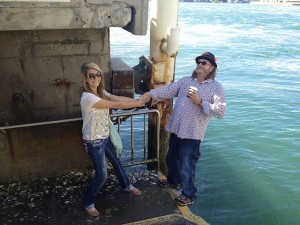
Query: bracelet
{"type": "Point", "coordinates": [107, 94]}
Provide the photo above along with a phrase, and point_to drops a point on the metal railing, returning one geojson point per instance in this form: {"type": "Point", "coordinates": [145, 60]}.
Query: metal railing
{"type": "Point", "coordinates": [4, 128]}
{"type": "Point", "coordinates": [131, 115]}
{"type": "Point", "coordinates": [118, 120]}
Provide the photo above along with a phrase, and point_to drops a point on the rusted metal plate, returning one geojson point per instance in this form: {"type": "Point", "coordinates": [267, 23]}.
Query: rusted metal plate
{"type": "Point", "coordinates": [122, 74]}
{"type": "Point", "coordinates": [124, 92]}
{"type": "Point", "coordinates": [122, 78]}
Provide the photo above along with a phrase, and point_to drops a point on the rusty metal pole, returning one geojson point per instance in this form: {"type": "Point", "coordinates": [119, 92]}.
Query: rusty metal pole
{"type": "Point", "coordinates": [164, 34]}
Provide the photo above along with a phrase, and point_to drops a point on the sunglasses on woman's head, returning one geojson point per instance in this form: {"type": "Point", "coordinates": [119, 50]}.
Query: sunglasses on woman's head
{"type": "Point", "coordinates": [94, 75]}
{"type": "Point", "coordinates": [202, 62]}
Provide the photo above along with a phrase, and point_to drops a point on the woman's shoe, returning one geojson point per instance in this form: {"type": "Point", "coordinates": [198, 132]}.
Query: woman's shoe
{"type": "Point", "coordinates": [135, 191]}
{"type": "Point", "coordinates": [92, 211]}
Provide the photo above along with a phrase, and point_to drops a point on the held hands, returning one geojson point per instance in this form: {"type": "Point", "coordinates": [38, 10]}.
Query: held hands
{"type": "Point", "coordinates": [146, 97]}
{"type": "Point", "coordinates": [141, 103]}
{"type": "Point", "coordinates": [143, 99]}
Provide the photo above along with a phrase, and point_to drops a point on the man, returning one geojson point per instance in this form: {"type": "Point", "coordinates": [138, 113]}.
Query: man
{"type": "Point", "coordinates": [199, 97]}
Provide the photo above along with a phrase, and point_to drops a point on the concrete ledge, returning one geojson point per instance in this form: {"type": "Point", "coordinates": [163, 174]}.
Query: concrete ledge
{"type": "Point", "coordinates": [173, 219]}
{"type": "Point", "coordinates": [74, 14]}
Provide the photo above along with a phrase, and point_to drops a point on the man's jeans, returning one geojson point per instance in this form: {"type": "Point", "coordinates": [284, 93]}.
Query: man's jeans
{"type": "Point", "coordinates": [181, 161]}
{"type": "Point", "coordinates": [97, 150]}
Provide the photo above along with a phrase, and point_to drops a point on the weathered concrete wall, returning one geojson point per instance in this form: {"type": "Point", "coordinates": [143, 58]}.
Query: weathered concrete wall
{"type": "Point", "coordinates": [40, 72]}
{"type": "Point", "coordinates": [31, 65]}
{"type": "Point", "coordinates": [132, 15]}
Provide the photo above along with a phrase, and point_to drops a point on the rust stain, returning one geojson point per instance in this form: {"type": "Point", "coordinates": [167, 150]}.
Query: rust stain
{"type": "Point", "coordinates": [11, 148]}
{"type": "Point", "coordinates": [31, 94]}
{"type": "Point", "coordinates": [18, 100]}
{"type": "Point", "coordinates": [59, 82]}
{"type": "Point", "coordinates": [166, 110]}
{"type": "Point", "coordinates": [68, 83]}
{"type": "Point", "coordinates": [23, 66]}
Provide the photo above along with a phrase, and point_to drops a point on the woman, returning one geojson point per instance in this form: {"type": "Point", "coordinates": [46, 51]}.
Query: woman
{"type": "Point", "coordinates": [95, 104]}
{"type": "Point", "coordinates": [199, 97]}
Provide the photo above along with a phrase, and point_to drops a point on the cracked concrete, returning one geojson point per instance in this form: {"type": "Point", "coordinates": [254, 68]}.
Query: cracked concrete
{"type": "Point", "coordinates": [74, 14]}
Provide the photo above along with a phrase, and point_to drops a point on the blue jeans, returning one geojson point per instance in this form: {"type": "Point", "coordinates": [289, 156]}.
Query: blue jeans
{"type": "Point", "coordinates": [97, 150]}
{"type": "Point", "coordinates": [112, 156]}
{"type": "Point", "coordinates": [181, 162]}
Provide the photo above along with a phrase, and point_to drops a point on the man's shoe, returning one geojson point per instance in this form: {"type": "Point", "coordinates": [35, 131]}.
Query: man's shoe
{"type": "Point", "coordinates": [166, 184]}
{"type": "Point", "coordinates": [183, 200]}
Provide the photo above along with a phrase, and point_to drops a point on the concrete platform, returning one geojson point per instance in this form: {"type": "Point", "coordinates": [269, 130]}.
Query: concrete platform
{"type": "Point", "coordinates": [59, 201]}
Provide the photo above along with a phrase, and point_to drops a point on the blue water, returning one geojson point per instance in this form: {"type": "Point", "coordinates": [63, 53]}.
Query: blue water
{"type": "Point", "coordinates": [250, 167]}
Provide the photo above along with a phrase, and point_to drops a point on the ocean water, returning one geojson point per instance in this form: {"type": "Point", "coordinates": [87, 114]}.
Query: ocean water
{"type": "Point", "coordinates": [249, 172]}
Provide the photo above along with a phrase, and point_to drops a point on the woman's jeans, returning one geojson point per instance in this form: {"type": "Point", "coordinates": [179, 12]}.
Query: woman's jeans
{"type": "Point", "coordinates": [97, 150]}
{"type": "Point", "coordinates": [181, 162]}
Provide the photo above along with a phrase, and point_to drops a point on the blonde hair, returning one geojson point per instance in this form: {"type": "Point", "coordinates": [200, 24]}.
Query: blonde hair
{"type": "Point", "coordinates": [100, 89]}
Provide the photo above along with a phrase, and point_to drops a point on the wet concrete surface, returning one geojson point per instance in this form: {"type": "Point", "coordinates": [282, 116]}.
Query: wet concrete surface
{"type": "Point", "coordinates": [59, 201]}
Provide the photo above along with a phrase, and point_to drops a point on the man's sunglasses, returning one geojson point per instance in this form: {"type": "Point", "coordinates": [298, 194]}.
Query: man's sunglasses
{"type": "Point", "coordinates": [202, 62]}
{"type": "Point", "coordinates": [94, 75]}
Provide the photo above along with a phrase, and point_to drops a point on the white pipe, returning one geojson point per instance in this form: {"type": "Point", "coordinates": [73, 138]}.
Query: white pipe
{"type": "Point", "coordinates": [170, 46]}
{"type": "Point", "coordinates": [164, 15]}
